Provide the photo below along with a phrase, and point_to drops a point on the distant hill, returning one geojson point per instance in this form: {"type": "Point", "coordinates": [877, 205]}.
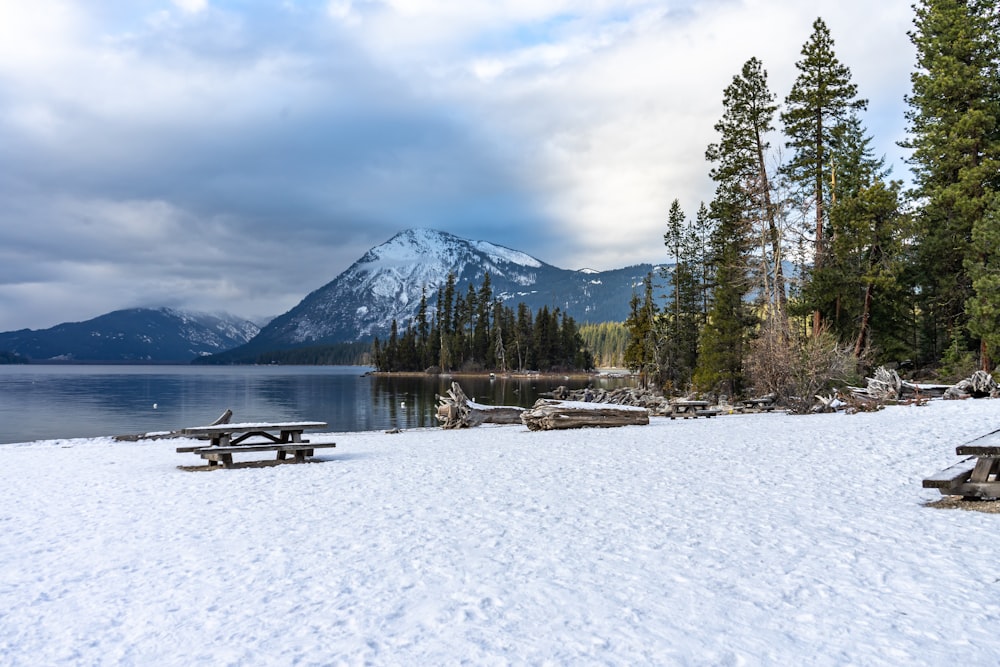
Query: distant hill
{"type": "Point", "coordinates": [387, 282]}
{"type": "Point", "coordinates": [152, 335]}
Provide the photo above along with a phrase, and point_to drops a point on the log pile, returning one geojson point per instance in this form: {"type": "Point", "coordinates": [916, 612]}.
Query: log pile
{"type": "Point", "coordinates": [456, 411]}
{"type": "Point", "coordinates": [632, 396]}
{"type": "Point", "coordinates": [548, 414]}
{"type": "Point", "coordinates": [887, 387]}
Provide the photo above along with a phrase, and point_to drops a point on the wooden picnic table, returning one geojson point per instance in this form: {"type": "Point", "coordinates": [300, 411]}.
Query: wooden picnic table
{"type": "Point", "coordinates": [977, 475]}
{"type": "Point", "coordinates": [691, 409]}
{"type": "Point", "coordinates": [228, 439]}
{"type": "Point", "coordinates": [758, 404]}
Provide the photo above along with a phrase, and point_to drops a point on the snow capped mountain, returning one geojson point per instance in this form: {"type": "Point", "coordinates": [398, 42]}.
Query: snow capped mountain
{"type": "Point", "coordinates": [135, 335]}
{"type": "Point", "coordinates": [386, 284]}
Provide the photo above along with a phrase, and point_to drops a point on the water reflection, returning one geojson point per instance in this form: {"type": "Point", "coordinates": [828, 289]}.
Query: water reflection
{"type": "Point", "coordinates": [48, 402]}
{"type": "Point", "coordinates": [410, 401]}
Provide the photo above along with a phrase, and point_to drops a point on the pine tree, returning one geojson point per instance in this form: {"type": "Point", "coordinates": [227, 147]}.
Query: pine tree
{"type": "Point", "coordinates": [868, 246]}
{"type": "Point", "coordinates": [738, 206]}
{"type": "Point", "coordinates": [984, 270]}
{"type": "Point", "coordinates": [740, 160]}
{"type": "Point", "coordinates": [681, 318]}
{"type": "Point", "coordinates": [821, 99]}
{"type": "Point", "coordinates": [954, 128]}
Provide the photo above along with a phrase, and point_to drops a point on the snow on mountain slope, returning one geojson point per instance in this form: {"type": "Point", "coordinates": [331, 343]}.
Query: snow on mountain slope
{"type": "Point", "coordinates": [388, 281]}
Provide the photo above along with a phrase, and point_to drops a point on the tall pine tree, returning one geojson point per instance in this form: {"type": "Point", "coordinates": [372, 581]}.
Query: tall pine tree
{"type": "Point", "coordinates": [954, 128]}
{"type": "Point", "coordinates": [821, 99]}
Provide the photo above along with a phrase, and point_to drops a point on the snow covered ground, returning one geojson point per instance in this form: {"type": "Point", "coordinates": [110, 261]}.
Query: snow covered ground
{"type": "Point", "coordinates": [753, 539]}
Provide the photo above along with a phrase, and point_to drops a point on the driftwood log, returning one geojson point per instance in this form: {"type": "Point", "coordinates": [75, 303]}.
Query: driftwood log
{"type": "Point", "coordinates": [456, 411]}
{"type": "Point", "coordinates": [162, 435]}
{"type": "Point", "coordinates": [980, 385]}
{"type": "Point", "coordinates": [547, 415]}
{"type": "Point", "coordinates": [886, 387]}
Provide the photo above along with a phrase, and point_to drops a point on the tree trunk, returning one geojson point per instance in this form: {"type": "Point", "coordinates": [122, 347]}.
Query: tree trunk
{"type": "Point", "coordinates": [547, 415]}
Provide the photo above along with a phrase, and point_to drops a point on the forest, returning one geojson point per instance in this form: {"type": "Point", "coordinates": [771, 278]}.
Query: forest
{"type": "Point", "coordinates": [476, 332]}
{"type": "Point", "coordinates": [811, 265]}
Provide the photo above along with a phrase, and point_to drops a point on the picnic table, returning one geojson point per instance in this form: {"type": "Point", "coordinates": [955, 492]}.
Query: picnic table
{"type": "Point", "coordinates": [977, 475]}
{"type": "Point", "coordinates": [691, 409]}
{"type": "Point", "coordinates": [758, 404]}
{"type": "Point", "coordinates": [229, 439]}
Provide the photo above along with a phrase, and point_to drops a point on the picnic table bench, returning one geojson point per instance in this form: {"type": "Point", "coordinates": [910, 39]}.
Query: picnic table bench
{"type": "Point", "coordinates": [975, 476]}
{"type": "Point", "coordinates": [228, 439]}
{"type": "Point", "coordinates": [691, 409]}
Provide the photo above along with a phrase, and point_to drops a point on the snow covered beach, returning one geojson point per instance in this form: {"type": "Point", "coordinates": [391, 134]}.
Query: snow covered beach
{"type": "Point", "coordinates": [745, 539]}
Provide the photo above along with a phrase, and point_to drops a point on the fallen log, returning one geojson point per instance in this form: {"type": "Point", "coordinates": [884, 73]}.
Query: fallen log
{"type": "Point", "coordinates": [456, 411]}
{"type": "Point", "coordinates": [547, 415]}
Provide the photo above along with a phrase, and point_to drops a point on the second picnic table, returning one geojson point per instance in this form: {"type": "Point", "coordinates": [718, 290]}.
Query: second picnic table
{"type": "Point", "coordinates": [690, 409]}
{"type": "Point", "coordinates": [280, 437]}
{"type": "Point", "coordinates": [977, 476]}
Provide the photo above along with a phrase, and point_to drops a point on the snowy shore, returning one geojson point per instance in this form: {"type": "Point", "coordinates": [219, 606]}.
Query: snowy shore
{"type": "Point", "coordinates": [745, 539]}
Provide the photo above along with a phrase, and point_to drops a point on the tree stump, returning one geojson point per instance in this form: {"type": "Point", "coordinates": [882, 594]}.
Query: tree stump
{"type": "Point", "coordinates": [456, 411]}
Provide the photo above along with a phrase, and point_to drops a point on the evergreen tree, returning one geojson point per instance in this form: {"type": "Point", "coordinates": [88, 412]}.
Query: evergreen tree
{"type": "Point", "coordinates": [984, 270]}
{"type": "Point", "coordinates": [423, 331]}
{"type": "Point", "coordinates": [446, 320]}
{"type": "Point", "coordinates": [643, 353]}
{"type": "Point", "coordinates": [481, 327]}
{"type": "Point", "coordinates": [821, 99]}
{"type": "Point", "coordinates": [681, 318]}
{"type": "Point", "coordinates": [740, 159]}
{"type": "Point", "coordinates": [954, 128]}
{"type": "Point", "coordinates": [700, 242]}
{"type": "Point", "coordinates": [739, 205]}
{"type": "Point", "coordinates": [868, 246]}
{"type": "Point", "coordinates": [723, 340]}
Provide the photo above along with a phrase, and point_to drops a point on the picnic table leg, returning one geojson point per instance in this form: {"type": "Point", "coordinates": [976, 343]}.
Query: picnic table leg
{"type": "Point", "coordinates": [985, 467]}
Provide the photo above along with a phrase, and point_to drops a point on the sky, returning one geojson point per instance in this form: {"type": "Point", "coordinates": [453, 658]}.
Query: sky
{"type": "Point", "coordinates": [226, 155]}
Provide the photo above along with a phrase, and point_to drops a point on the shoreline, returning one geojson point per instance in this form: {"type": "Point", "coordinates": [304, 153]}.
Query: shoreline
{"type": "Point", "coordinates": [511, 375]}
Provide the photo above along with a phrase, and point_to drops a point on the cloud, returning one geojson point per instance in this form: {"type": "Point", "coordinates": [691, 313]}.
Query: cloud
{"type": "Point", "coordinates": [236, 157]}
{"type": "Point", "coordinates": [191, 6]}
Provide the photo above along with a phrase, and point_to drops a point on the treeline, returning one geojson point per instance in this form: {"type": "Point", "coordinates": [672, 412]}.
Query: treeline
{"type": "Point", "coordinates": [607, 342]}
{"type": "Point", "coordinates": [881, 273]}
{"type": "Point", "coordinates": [12, 358]}
{"type": "Point", "coordinates": [476, 332]}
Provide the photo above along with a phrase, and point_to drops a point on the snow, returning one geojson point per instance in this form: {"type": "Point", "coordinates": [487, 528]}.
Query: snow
{"type": "Point", "coordinates": [744, 539]}
{"type": "Point", "coordinates": [500, 254]}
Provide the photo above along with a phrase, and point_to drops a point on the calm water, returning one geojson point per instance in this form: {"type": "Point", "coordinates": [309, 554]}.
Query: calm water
{"type": "Point", "coordinates": [49, 402]}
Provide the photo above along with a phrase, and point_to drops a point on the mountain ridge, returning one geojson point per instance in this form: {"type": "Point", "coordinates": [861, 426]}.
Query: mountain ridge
{"type": "Point", "coordinates": [133, 335]}
{"type": "Point", "coordinates": [387, 283]}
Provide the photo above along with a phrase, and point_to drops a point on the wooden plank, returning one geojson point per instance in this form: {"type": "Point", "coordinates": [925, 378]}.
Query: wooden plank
{"type": "Point", "coordinates": [978, 450]}
{"type": "Point", "coordinates": [951, 476]}
{"type": "Point", "coordinates": [252, 426]}
{"type": "Point", "coordinates": [288, 447]}
{"type": "Point", "coordinates": [980, 490]}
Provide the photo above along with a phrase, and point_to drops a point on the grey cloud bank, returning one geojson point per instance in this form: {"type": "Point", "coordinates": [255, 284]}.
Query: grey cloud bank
{"type": "Point", "coordinates": [213, 156]}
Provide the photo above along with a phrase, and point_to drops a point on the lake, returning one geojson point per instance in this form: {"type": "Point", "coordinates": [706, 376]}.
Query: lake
{"type": "Point", "coordinates": [42, 402]}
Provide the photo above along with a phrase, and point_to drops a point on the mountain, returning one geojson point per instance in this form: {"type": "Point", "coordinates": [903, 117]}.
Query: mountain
{"type": "Point", "coordinates": [134, 335]}
{"type": "Point", "coordinates": [387, 283]}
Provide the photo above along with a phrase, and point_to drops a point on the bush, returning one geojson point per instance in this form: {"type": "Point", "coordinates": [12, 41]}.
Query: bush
{"type": "Point", "coordinates": [795, 367]}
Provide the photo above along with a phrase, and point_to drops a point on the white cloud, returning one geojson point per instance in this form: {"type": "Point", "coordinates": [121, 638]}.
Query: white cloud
{"type": "Point", "coordinates": [191, 6]}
